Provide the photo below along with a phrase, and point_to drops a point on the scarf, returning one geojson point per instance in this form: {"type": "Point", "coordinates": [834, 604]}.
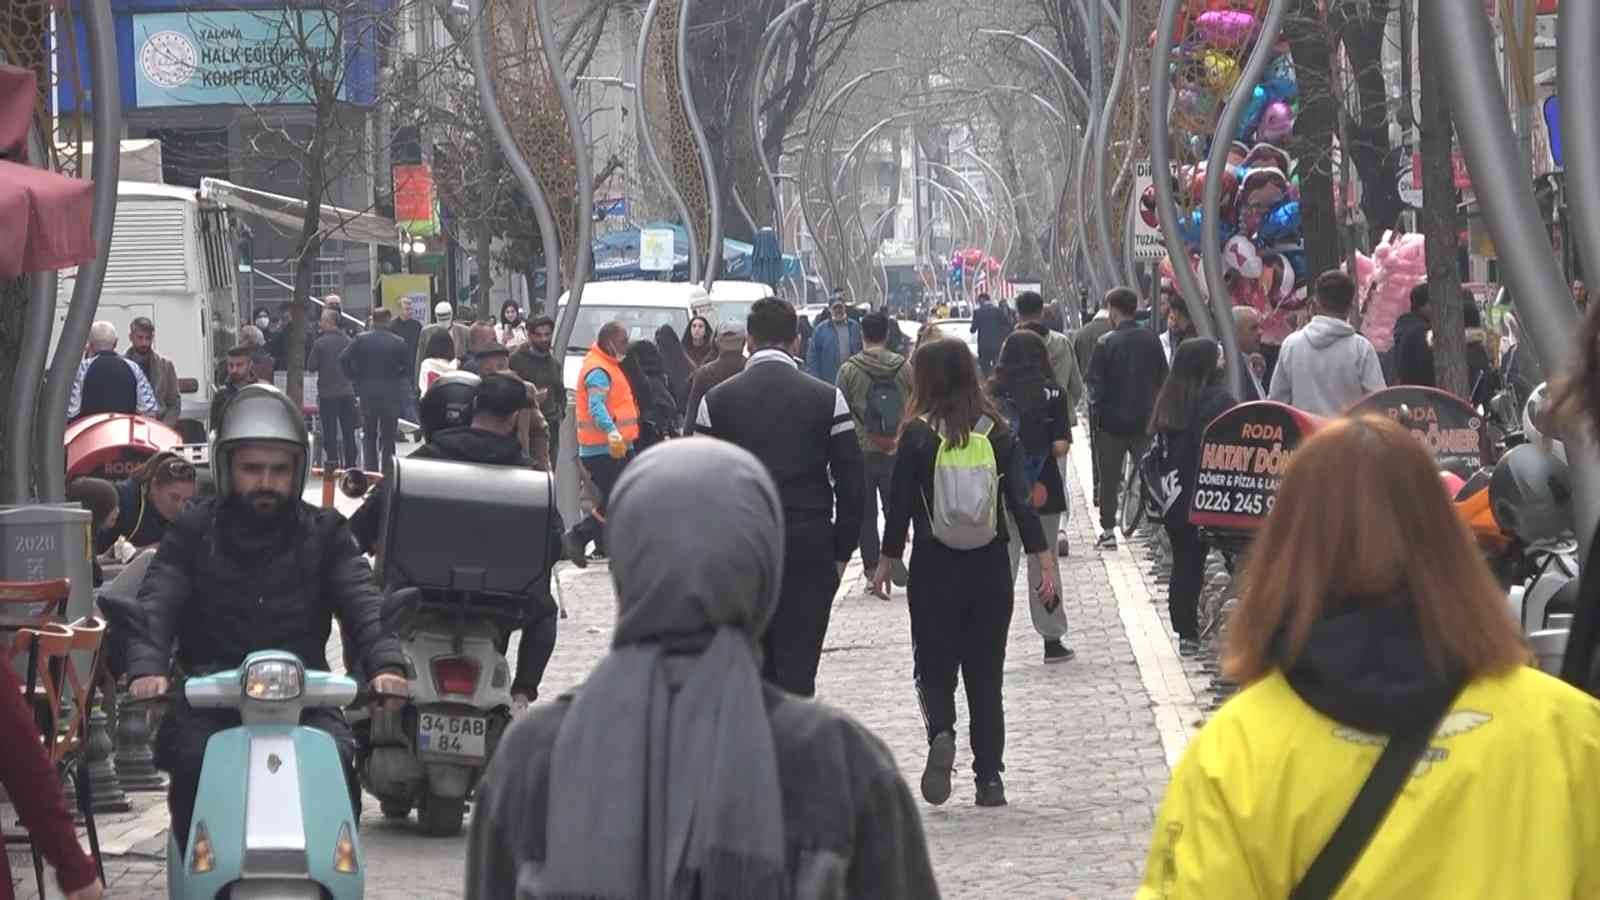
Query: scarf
{"type": "Point", "coordinates": [663, 777]}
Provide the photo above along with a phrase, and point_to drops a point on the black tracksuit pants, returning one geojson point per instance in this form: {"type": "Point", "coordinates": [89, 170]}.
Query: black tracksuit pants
{"type": "Point", "coordinates": [961, 603]}
{"type": "Point", "coordinates": [1188, 577]}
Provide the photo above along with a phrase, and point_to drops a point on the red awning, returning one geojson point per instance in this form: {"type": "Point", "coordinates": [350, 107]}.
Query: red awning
{"type": "Point", "coordinates": [44, 220]}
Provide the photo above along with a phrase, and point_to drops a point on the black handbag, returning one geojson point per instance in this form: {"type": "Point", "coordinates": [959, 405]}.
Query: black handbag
{"type": "Point", "coordinates": [1369, 809]}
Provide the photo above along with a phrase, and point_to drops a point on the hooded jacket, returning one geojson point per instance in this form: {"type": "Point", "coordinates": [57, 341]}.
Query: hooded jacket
{"type": "Point", "coordinates": [855, 381]}
{"type": "Point", "coordinates": [1499, 805]}
{"type": "Point", "coordinates": [1325, 368]}
{"type": "Point", "coordinates": [1413, 356]}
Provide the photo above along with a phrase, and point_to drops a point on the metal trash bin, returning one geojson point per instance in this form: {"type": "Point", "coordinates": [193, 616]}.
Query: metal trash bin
{"type": "Point", "coordinates": [50, 541]}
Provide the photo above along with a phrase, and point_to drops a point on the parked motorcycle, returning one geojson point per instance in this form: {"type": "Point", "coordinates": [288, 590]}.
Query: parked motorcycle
{"type": "Point", "coordinates": [273, 817]}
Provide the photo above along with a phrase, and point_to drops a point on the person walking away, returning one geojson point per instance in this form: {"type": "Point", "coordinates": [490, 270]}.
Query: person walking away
{"type": "Point", "coordinates": [444, 320]}
{"type": "Point", "coordinates": [1087, 337]}
{"type": "Point", "coordinates": [336, 396]}
{"type": "Point", "coordinates": [876, 384]}
{"type": "Point", "coordinates": [534, 363]}
{"type": "Point", "coordinates": [33, 788]}
{"type": "Point", "coordinates": [108, 383]}
{"type": "Point", "coordinates": [1180, 327]}
{"type": "Point", "coordinates": [956, 465]}
{"type": "Point", "coordinates": [699, 342]}
{"type": "Point", "coordinates": [491, 439]}
{"type": "Point", "coordinates": [377, 365]}
{"type": "Point", "coordinates": [238, 374]}
{"type": "Point", "coordinates": [1325, 368]}
{"type": "Point", "coordinates": [730, 361]}
{"type": "Point", "coordinates": [764, 794]}
{"type": "Point", "coordinates": [1247, 331]}
{"type": "Point", "coordinates": [895, 341]}
{"type": "Point", "coordinates": [833, 342]}
{"type": "Point", "coordinates": [1483, 379]}
{"type": "Point", "coordinates": [678, 365]}
{"type": "Point", "coordinates": [1125, 374]}
{"type": "Point", "coordinates": [1413, 346]}
{"type": "Point", "coordinates": [1031, 314]}
{"type": "Point", "coordinates": [1191, 399]}
{"type": "Point", "coordinates": [158, 370]}
{"type": "Point", "coordinates": [1371, 627]}
{"type": "Point", "coordinates": [511, 331]}
{"type": "Point", "coordinates": [658, 410]}
{"type": "Point", "coordinates": [608, 427]}
{"type": "Point", "coordinates": [438, 360]}
{"type": "Point", "coordinates": [1039, 417]}
{"type": "Point", "coordinates": [991, 325]}
{"type": "Point", "coordinates": [801, 429]}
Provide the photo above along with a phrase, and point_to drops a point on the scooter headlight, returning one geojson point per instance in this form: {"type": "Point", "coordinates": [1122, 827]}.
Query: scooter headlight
{"type": "Point", "coordinates": [274, 679]}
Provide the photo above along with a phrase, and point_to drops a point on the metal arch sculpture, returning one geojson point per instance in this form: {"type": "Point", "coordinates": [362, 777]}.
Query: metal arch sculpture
{"type": "Point", "coordinates": [822, 132]}
{"type": "Point", "coordinates": [770, 41]}
{"type": "Point", "coordinates": [1101, 195]}
{"type": "Point", "coordinates": [647, 141]}
{"type": "Point", "coordinates": [1211, 207]}
{"type": "Point", "coordinates": [1011, 203]}
{"type": "Point", "coordinates": [708, 160]}
{"type": "Point", "coordinates": [107, 130]}
{"type": "Point", "coordinates": [583, 216]}
{"type": "Point", "coordinates": [1101, 130]}
{"type": "Point", "coordinates": [849, 160]}
{"type": "Point", "coordinates": [1578, 66]}
{"type": "Point", "coordinates": [1161, 168]}
{"type": "Point", "coordinates": [686, 165]}
{"type": "Point", "coordinates": [531, 187]}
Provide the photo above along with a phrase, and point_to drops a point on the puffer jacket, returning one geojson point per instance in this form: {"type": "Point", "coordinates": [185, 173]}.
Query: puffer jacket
{"type": "Point", "coordinates": [1499, 805]}
{"type": "Point", "coordinates": [218, 600]}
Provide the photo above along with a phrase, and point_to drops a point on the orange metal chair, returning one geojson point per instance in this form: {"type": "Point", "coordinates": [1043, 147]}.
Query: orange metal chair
{"type": "Point", "coordinates": [28, 604]}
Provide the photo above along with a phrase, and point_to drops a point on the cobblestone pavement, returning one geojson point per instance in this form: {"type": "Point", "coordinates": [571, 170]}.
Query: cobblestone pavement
{"type": "Point", "coordinates": [1088, 742]}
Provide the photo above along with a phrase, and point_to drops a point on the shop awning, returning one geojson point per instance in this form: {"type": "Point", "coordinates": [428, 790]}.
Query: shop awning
{"type": "Point", "coordinates": [337, 224]}
{"type": "Point", "coordinates": [44, 220]}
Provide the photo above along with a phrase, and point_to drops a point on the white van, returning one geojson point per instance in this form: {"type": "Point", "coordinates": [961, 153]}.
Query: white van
{"type": "Point", "coordinates": [733, 299]}
{"type": "Point", "coordinates": [172, 261]}
{"type": "Point", "coordinates": [643, 306]}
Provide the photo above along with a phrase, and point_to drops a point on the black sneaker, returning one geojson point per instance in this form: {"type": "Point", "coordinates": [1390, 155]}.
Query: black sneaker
{"type": "Point", "coordinates": [1055, 652]}
{"type": "Point", "coordinates": [941, 762]}
{"type": "Point", "coordinates": [991, 792]}
{"type": "Point", "coordinates": [1188, 647]}
{"type": "Point", "coordinates": [575, 547]}
{"type": "Point", "coordinates": [1107, 541]}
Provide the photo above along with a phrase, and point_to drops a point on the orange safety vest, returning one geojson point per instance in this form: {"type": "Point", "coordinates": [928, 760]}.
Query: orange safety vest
{"type": "Point", "coordinates": [620, 403]}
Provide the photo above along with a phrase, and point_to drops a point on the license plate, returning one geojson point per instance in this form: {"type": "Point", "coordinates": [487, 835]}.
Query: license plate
{"type": "Point", "coordinates": [455, 736]}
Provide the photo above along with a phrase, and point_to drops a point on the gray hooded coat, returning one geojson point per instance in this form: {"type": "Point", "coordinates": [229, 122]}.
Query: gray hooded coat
{"type": "Point", "coordinates": [1325, 368]}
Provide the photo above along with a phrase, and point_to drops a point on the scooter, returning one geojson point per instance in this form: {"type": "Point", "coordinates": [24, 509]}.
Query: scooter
{"type": "Point", "coordinates": [273, 817]}
{"type": "Point", "coordinates": [430, 753]}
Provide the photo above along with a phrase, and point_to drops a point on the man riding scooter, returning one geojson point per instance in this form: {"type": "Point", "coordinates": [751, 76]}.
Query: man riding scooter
{"type": "Point", "coordinates": [253, 568]}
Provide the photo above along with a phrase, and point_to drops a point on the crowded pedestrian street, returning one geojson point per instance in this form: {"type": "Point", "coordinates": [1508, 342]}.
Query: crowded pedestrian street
{"type": "Point", "coordinates": [1089, 743]}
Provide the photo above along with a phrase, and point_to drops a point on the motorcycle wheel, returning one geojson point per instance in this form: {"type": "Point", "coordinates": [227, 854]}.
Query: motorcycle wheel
{"type": "Point", "coordinates": [441, 816]}
{"type": "Point", "coordinates": [395, 810]}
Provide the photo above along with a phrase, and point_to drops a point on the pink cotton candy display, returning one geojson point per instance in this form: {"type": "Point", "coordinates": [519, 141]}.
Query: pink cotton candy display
{"type": "Point", "coordinates": [1399, 264]}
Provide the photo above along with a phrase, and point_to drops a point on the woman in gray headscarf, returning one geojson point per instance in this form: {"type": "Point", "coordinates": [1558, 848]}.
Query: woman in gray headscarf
{"type": "Point", "coordinates": [673, 773]}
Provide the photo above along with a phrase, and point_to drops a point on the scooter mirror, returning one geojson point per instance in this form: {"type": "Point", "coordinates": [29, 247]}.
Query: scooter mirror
{"type": "Point", "coordinates": [400, 609]}
{"type": "Point", "coordinates": [353, 483]}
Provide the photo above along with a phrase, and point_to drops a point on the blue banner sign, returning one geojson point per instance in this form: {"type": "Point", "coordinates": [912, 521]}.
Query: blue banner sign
{"type": "Point", "coordinates": [235, 57]}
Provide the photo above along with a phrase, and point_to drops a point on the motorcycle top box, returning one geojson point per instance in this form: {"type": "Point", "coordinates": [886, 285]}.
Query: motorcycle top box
{"type": "Point", "coordinates": [455, 526]}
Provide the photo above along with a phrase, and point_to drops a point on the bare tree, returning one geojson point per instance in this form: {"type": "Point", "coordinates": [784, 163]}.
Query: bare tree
{"type": "Point", "coordinates": [1440, 219]}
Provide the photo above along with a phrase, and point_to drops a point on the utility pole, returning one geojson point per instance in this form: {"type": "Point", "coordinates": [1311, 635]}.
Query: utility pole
{"type": "Point", "coordinates": [1440, 220]}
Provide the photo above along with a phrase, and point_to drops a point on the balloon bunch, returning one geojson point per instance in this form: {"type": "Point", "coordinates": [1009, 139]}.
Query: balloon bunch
{"type": "Point", "coordinates": [1260, 213]}
{"type": "Point", "coordinates": [968, 263]}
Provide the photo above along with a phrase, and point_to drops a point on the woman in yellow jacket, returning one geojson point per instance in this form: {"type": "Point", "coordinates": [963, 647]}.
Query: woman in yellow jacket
{"type": "Point", "coordinates": [1365, 609]}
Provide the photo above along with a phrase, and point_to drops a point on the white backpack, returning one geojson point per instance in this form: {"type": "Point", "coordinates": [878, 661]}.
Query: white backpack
{"type": "Point", "coordinates": [966, 490]}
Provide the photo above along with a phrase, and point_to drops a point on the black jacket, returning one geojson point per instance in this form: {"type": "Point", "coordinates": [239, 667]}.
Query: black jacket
{"type": "Point", "coordinates": [1183, 449]}
{"type": "Point", "coordinates": [800, 428]}
{"type": "Point", "coordinates": [911, 489]}
{"type": "Point", "coordinates": [710, 375]}
{"type": "Point", "coordinates": [991, 325]}
{"type": "Point", "coordinates": [1125, 374]}
{"type": "Point", "coordinates": [219, 598]}
{"type": "Point", "coordinates": [109, 386]}
{"type": "Point", "coordinates": [379, 366]}
{"type": "Point", "coordinates": [1413, 356]}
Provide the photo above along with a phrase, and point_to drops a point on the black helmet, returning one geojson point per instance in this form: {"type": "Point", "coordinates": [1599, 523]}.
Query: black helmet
{"type": "Point", "coordinates": [449, 402]}
{"type": "Point", "coordinates": [1531, 495]}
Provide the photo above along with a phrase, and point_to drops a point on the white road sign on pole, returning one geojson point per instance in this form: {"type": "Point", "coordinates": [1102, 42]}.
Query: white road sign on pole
{"type": "Point", "coordinates": [1149, 245]}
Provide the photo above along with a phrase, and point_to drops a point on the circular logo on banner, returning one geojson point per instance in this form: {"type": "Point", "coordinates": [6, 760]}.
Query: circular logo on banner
{"type": "Point", "coordinates": [168, 59]}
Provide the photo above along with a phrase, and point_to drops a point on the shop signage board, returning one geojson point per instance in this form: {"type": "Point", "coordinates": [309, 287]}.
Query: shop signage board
{"type": "Point", "coordinates": [234, 57]}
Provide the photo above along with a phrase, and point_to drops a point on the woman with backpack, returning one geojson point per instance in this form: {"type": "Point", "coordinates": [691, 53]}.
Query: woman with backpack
{"type": "Point", "coordinates": [659, 419]}
{"type": "Point", "coordinates": [955, 460]}
{"type": "Point", "coordinates": [1037, 411]}
{"type": "Point", "coordinates": [1189, 400]}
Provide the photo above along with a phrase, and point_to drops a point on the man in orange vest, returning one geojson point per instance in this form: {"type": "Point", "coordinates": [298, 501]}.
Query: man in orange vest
{"type": "Point", "coordinates": [608, 424]}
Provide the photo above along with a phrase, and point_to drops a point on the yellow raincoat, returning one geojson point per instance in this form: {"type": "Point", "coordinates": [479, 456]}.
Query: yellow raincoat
{"type": "Point", "coordinates": [1504, 804]}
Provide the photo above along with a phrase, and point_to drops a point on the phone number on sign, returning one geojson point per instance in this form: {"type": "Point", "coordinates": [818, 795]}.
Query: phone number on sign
{"type": "Point", "coordinates": [1232, 502]}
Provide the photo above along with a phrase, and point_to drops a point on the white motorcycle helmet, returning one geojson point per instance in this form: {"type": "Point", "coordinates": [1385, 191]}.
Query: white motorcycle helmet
{"type": "Point", "coordinates": [1534, 415]}
{"type": "Point", "coordinates": [259, 413]}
